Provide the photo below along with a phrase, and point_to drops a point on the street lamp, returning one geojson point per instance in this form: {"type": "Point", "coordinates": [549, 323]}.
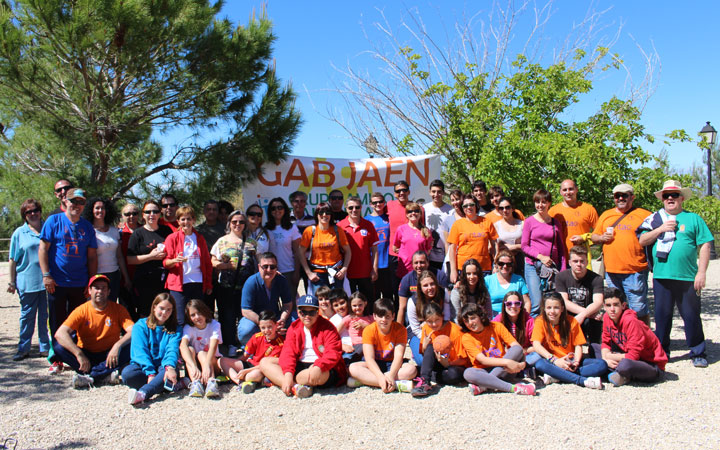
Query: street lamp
{"type": "Point", "coordinates": [709, 134]}
{"type": "Point", "coordinates": [371, 145]}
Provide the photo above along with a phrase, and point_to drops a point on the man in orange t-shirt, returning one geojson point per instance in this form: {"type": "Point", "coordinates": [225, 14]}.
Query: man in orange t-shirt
{"type": "Point", "coordinates": [626, 266]}
{"type": "Point", "coordinates": [100, 351]}
{"type": "Point", "coordinates": [579, 217]}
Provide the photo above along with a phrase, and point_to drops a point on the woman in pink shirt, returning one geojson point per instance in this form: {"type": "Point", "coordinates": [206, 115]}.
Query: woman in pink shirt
{"type": "Point", "coordinates": [411, 237]}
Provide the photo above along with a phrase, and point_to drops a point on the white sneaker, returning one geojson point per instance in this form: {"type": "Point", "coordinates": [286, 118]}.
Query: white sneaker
{"type": "Point", "coordinates": [593, 383]}
{"type": "Point", "coordinates": [211, 390]}
{"type": "Point", "coordinates": [302, 391]}
{"type": "Point", "coordinates": [196, 389]}
{"type": "Point", "coordinates": [353, 383]}
{"type": "Point", "coordinates": [113, 378]}
{"type": "Point", "coordinates": [403, 385]}
{"type": "Point", "coordinates": [547, 379]}
{"type": "Point", "coordinates": [82, 381]}
{"type": "Point", "coordinates": [136, 397]}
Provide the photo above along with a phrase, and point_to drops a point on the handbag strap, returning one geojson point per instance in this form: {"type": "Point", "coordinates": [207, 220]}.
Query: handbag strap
{"type": "Point", "coordinates": [622, 217]}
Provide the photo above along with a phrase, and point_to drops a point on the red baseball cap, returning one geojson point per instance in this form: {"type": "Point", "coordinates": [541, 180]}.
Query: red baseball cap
{"type": "Point", "coordinates": [94, 278]}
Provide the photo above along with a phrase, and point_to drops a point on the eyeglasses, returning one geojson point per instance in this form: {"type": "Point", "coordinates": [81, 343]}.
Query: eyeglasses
{"type": "Point", "coordinates": [308, 312]}
{"type": "Point", "coordinates": [169, 205]}
{"type": "Point", "coordinates": [237, 222]}
{"type": "Point", "coordinates": [378, 202]}
{"type": "Point", "coordinates": [414, 211]}
{"type": "Point", "coordinates": [324, 212]}
{"type": "Point", "coordinates": [504, 264]}
{"type": "Point", "coordinates": [277, 208]}
{"type": "Point", "coordinates": [353, 208]}
{"type": "Point", "coordinates": [268, 267]}
{"type": "Point", "coordinates": [619, 195]}
{"type": "Point", "coordinates": [33, 211]}
{"type": "Point", "coordinates": [468, 205]}
{"type": "Point", "coordinates": [77, 202]}
{"type": "Point", "coordinates": [151, 211]}
{"type": "Point", "coordinates": [668, 195]}
{"type": "Point", "coordinates": [63, 188]}
{"type": "Point", "coordinates": [131, 213]}
{"type": "Point", "coordinates": [513, 304]}
{"type": "Point", "coordinates": [255, 214]}
{"type": "Point", "coordinates": [402, 190]}
{"type": "Point", "coordinates": [336, 197]}
{"type": "Point", "coordinates": [504, 208]}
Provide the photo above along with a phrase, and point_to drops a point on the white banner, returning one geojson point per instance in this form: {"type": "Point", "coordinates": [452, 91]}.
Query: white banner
{"type": "Point", "coordinates": [318, 176]}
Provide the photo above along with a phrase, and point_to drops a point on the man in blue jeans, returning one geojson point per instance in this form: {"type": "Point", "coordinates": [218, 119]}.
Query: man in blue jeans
{"type": "Point", "coordinates": [675, 236]}
{"type": "Point", "coordinates": [266, 290]}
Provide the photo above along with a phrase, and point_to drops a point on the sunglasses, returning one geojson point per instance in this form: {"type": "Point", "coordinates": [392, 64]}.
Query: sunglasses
{"type": "Point", "coordinates": [668, 195]}
{"type": "Point", "coordinates": [378, 202]}
{"type": "Point", "coordinates": [504, 208]}
{"type": "Point", "coordinates": [151, 211]}
{"type": "Point", "coordinates": [277, 208]}
{"type": "Point", "coordinates": [268, 267]}
{"type": "Point", "coordinates": [169, 205]}
{"type": "Point", "coordinates": [468, 205]}
{"type": "Point", "coordinates": [414, 211]}
{"type": "Point", "coordinates": [619, 195]}
{"type": "Point", "coordinates": [513, 304]}
{"type": "Point", "coordinates": [33, 211]}
{"type": "Point", "coordinates": [63, 188]}
{"type": "Point", "coordinates": [77, 202]}
{"type": "Point", "coordinates": [402, 190]}
{"type": "Point", "coordinates": [336, 197]}
{"type": "Point", "coordinates": [324, 212]}
{"type": "Point", "coordinates": [255, 214]}
{"type": "Point", "coordinates": [131, 213]}
{"type": "Point", "coordinates": [504, 264]}
{"type": "Point", "coordinates": [353, 208]}
{"type": "Point", "coordinates": [308, 312]}
{"type": "Point", "coordinates": [237, 222]}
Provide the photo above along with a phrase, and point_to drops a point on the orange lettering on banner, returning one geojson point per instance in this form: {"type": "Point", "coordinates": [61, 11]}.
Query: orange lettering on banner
{"type": "Point", "coordinates": [411, 166]}
{"type": "Point", "coordinates": [353, 171]}
{"type": "Point", "coordinates": [266, 182]}
{"type": "Point", "coordinates": [301, 176]}
{"type": "Point", "coordinates": [365, 177]}
{"type": "Point", "coordinates": [328, 172]}
{"type": "Point", "coordinates": [390, 171]}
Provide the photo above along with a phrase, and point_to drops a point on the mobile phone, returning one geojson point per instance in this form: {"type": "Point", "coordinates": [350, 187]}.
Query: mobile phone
{"type": "Point", "coordinates": [169, 385]}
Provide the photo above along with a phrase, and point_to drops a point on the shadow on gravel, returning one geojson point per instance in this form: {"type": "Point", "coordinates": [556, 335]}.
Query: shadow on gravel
{"type": "Point", "coordinates": [712, 350]}
{"type": "Point", "coordinates": [72, 444]}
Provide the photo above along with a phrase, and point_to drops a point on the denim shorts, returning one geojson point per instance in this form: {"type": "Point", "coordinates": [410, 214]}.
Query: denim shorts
{"type": "Point", "coordinates": [635, 287]}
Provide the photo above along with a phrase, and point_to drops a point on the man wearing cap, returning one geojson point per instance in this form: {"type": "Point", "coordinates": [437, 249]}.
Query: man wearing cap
{"type": "Point", "coordinates": [311, 356]}
{"type": "Point", "coordinates": [61, 189]}
{"type": "Point", "coordinates": [100, 352]}
{"type": "Point", "coordinates": [68, 257]}
{"type": "Point", "coordinates": [626, 266]}
{"type": "Point", "coordinates": [675, 236]}
{"type": "Point", "coordinates": [578, 217]}
{"type": "Point", "coordinates": [266, 290]}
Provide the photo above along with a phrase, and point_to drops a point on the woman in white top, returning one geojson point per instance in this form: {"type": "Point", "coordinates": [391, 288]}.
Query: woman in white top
{"type": "Point", "coordinates": [284, 240]}
{"type": "Point", "coordinates": [509, 228]}
{"type": "Point", "coordinates": [110, 259]}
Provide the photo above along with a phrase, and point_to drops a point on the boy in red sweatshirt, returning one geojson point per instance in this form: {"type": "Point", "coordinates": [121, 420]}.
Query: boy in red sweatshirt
{"type": "Point", "coordinates": [629, 348]}
{"type": "Point", "coordinates": [311, 356]}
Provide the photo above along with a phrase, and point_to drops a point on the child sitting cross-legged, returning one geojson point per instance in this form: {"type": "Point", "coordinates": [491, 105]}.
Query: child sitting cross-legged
{"type": "Point", "coordinates": [199, 349]}
{"type": "Point", "coordinates": [245, 371]}
{"type": "Point", "coordinates": [383, 346]}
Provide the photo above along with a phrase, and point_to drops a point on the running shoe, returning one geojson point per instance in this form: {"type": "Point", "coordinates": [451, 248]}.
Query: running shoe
{"type": "Point", "coordinates": [136, 397]}
{"type": "Point", "coordinates": [211, 390]}
{"type": "Point", "coordinates": [700, 362]}
{"type": "Point", "coordinates": [547, 379]}
{"type": "Point", "coordinates": [196, 389]}
{"type": "Point", "coordinates": [113, 378]}
{"type": "Point", "coordinates": [593, 383]}
{"type": "Point", "coordinates": [617, 380]}
{"type": "Point", "coordinates": [353, 383]}
{"type": "Point", "coordinates": [475, 389]}
{"type": "Point", "coordinates": [80, 381]}
{"type": "Point", "coordinates": [56, 368]}
{"type": "Point", "coordinates": [19, 356]}
{"type": "Point", "coordinates": [422, 388]}
{"type": "Point", "coordinates": [404, 385]}
{"type": "Point", "coordinates": [525, 389]}
{"type": "Point", "coordinates": [302, 391]}
{"type": "Point", "coordinates": [247, 387]}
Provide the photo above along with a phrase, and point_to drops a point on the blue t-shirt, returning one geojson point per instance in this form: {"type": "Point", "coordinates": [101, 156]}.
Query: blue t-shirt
{"type": "Point", "coordinates": [24, 245]}
{"type": "Point", "coordinates": [408, 284]}
{"type": "Point", "coordinates": [382, 226]}
{"type": "Point", "coordinates": [255, 295]}
{"type": "Point", "coordinates": [497, 292]}
{"type": "Point", "coordinates": [69, 243]}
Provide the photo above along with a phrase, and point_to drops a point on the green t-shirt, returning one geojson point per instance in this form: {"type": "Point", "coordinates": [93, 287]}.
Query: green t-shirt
{"type": "Point", "coordinates": [681, 263]}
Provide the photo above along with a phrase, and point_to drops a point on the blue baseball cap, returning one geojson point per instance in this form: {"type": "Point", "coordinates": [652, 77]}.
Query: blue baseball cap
{"type": "Point", "coordinates": [308, 300]}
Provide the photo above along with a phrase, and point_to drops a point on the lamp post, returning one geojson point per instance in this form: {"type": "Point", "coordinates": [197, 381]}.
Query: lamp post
{"type": "Point", "coordinates": [371, 145]}
{"type": "Point", "coordinates": [709, 134]}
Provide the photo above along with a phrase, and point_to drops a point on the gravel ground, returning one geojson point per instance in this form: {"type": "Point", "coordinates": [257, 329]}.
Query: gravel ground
{"type": "Point", "coordinates": [43, 411]}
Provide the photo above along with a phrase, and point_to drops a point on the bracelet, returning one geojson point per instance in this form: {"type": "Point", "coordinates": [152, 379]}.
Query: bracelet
{"type": "Point", "coordinates": [11, 284]}
{"type": "Point", "coordinates": [169, 367]}
{"type": "Point", "coordinates": [46, 274]}
{"type": "Point", "coordinates": [552, 359]}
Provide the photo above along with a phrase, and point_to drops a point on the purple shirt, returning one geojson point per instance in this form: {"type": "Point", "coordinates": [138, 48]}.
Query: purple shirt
{"type": "Point", "coordinates": [537, 239]}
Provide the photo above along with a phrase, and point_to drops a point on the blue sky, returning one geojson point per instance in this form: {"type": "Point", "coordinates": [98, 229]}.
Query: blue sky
{"type": "Point", "coordinates": [314, 35]}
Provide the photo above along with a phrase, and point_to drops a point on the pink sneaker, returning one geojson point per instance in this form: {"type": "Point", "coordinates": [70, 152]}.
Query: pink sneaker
{"type": "Point", "coordinates": [525, 389]}
{"type": "Point", "coordinates": [475, 389]}
{"type": "Point", "coordinates": [56, 368]}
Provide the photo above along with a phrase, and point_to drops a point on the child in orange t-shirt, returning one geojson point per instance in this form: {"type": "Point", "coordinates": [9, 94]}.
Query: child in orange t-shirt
{"type": "Point", "coordinates": [245, 371]}
{"type": "Point", "coordinates": [383, 344]}
{"type": "Point", "coordinates": [490, 344]}
{"type": "Point", "coordinates": [448, 367]}
{"type": "Point", "coordinates": [558, 339]}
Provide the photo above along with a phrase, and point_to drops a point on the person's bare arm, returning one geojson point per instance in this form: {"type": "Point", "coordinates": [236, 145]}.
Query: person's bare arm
{"type": "Point", "coordinates": [92, 261]}
{"type": "Point", "coordinates": [250, 315]}
{"type": "Point", "coordinates": [702, 266]}
{"type": "Point", "coordinates": [62, 335]}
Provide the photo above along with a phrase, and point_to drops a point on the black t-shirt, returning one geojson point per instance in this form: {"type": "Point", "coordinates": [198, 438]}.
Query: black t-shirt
{"type": "Point", "coordinates": [142, 242]}
{"type": "Point", "coordinates": [339, 215]}
{"type": "Point", "coordinates": [580, 291]}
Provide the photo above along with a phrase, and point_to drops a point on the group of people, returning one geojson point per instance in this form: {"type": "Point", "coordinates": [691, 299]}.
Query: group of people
{"type": "Point", "coordinates": [479, 293]}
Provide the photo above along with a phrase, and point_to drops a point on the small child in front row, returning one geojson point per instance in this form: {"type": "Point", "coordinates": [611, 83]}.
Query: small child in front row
{"type": "Point", "coordinates": [245, 371]}
{"type": "Point", "coordinates": [356, 322]}
{"type": "Point", "coordinates": [449, 367]}
{"type": "Point", "coordinates": [629, 347]}
{"type": "Point", "coordinates": [383, 344]}
{"type": "Point", "coordinates": [340, 303]}
{"type": "Point", "coordinates": [323, 296]}
{"type": "Point", "coordinates": [494, 353]}
{"type": "Point", "coordinates": [199, 349]}
{"type": "Point", "coordinates": [558, 340]}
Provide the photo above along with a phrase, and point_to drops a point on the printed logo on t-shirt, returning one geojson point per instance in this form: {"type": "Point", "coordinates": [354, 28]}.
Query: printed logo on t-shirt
{"type": "Point", "coordinates": [579, 295]}
{"type": "Point", "coordinates": [108, 322]}
{"type": "Point", "coordinates": [617, 337]}
{"type": "Point", "coordinates": [384, 355]}
{"type": "Point", "coordinates": [363, 232]}
{"type": "Point", "coordinates": [681, 228]}
{"type": "Point", "coordinates": [413, 288]}
{"type": "Point", "coordinates": [493, 351]}
{"type": "Point", "coordinates": [321, 348]}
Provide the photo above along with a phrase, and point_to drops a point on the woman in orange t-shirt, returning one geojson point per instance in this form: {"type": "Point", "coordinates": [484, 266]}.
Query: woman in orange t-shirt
{"type": "Point", "coordinates": [471, 237]}
{"type": "Point", "coordinates": [493, 352]}
{"type": "Point", "coordinates": [558, 339]}
{"type": "Point", "coordinates": [329, 251]}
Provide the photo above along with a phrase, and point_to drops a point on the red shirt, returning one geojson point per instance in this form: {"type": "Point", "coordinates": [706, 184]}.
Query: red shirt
{"type": "Point", "coordinates": [260, 347]}
{"type": "Point", "coordinates": [360, 239]}
{"type": "Point", "coordinates": [172, 225]}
